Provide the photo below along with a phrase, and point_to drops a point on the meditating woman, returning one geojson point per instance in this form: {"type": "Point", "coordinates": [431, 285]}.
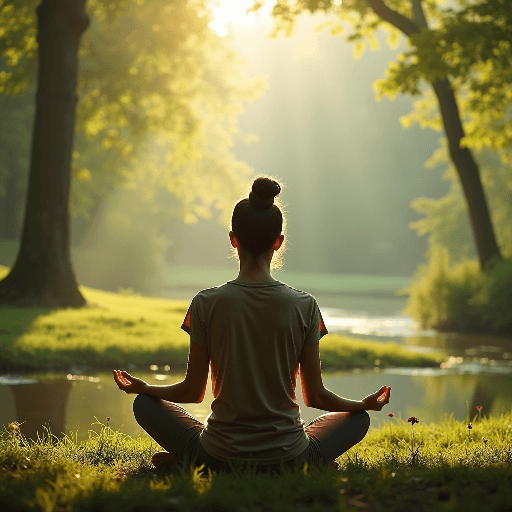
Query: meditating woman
{"type": "Point", "coordinates": [254, 332]}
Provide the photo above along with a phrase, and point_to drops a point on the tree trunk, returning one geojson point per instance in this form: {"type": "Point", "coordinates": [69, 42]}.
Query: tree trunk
{"type": "Point", "coordinates": [10, 203]}
{"type": "Point", "coordinates": [43, 274]}
{"type": "Point", "coordinates": [469, 175]}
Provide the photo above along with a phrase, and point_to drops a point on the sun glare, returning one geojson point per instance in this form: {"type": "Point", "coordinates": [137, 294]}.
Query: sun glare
{"type": "Point", "coordinates": [234, 12]}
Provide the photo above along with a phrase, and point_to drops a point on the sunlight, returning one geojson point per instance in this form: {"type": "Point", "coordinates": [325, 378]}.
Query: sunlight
{"type": "Point", "coordinates": [234, 12]}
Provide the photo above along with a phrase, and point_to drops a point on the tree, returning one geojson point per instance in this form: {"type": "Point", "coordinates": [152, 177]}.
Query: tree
{"type": "Point", "coordinates": [445, 219]}
{"type": "Point", "coordinates": [15, 133]}
{"type": "Point", "coordinates": [423, 22]}
{"type": "Point", "coordinates": [43, 273]}
{"type": "Point", "coordinates": [160, 96]}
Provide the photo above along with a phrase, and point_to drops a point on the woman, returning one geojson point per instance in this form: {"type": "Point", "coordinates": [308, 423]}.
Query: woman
{"type": "Point", "coordinates": [254, 332]}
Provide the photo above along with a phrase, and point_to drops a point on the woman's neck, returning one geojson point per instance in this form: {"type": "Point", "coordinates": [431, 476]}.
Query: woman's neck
{"type": "Point", "coordinates": [254, 272]}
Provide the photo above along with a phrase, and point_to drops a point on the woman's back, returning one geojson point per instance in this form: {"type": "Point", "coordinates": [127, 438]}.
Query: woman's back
{"type": "Point", "coordinates": [254, 334]}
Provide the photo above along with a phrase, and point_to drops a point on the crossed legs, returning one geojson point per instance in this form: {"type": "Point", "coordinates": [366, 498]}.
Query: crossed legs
{"type": "Point", "coordinates": [177, 431]}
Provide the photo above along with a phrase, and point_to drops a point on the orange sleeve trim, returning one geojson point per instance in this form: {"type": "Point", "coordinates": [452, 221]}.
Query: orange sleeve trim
{"type": "Point", "coordinates": [186, 323]}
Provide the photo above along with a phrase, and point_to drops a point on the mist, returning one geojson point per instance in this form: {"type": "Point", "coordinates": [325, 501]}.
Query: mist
{"type": "Point", "coordinates": [349, 169]}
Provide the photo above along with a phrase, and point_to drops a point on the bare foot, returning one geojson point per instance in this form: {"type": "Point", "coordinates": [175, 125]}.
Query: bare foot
{"type": "Point", "coordinates": [160, 459]}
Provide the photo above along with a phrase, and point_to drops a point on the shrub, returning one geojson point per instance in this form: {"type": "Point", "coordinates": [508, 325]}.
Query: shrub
{"type": "Point", "coordinates": [460, 297]}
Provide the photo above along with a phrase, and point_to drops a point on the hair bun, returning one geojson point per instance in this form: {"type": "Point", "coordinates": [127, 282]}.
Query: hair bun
{"type": "Point", "coordinates": [263, 192]}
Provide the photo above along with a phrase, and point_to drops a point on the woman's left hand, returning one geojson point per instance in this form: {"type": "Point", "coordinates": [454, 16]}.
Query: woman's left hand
{"type": "Point", "coordinates": [128, 383]}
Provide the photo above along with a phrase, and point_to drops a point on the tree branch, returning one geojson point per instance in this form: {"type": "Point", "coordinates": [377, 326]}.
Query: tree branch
{"type": "Point", "coordinates": [407, 26]}
{"type": "Point", "coordinates": [419, 14]}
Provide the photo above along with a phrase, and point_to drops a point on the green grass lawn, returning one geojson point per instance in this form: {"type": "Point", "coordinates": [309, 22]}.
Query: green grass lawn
{"type": "Point", "coordinates": [453, 468]}
{"type": "Point", "coordinates": [118, 329]}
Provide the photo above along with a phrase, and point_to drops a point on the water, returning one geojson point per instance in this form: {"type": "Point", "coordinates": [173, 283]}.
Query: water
{"type": "Point", "coordinates": [478, 372]}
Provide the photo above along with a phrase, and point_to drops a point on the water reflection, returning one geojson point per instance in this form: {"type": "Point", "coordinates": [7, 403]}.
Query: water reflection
{"type": "Point", "coordinates": [38, 404]}
{"type": "Point", "coordinates": [72, 404]}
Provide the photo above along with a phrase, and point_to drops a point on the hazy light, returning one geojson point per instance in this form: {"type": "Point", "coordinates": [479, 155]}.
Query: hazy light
{"type": "Point", "coordinates": [234, 12]}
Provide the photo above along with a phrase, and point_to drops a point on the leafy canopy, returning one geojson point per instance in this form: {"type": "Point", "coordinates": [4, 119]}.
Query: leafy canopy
{"type": "Point", "coordinates": [160, 95]}
{"type": "Point", "coordinates": [467, 41]}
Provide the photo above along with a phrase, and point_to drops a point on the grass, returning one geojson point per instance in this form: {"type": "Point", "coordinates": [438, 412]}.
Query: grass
{"type": "Point", "coordinates": [123, 329]}
{"type": "Point", "coordinates": [454, 469]}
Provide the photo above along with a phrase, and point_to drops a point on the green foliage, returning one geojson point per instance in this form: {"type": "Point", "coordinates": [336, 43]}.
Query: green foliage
{"type": "Point", "coordinates": [467, 41]}
{"type": "Point", "coordinates": [111, 471]}
{"type": "Point", "coordinates": [471, 46]}
{"type": "Point", "coordinates": [460, 297]}
{"type": "Point", "coordinates": [160, 94]}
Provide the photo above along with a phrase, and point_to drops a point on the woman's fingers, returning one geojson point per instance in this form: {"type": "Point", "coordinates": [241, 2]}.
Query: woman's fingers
{"type": "Point", "coordinates": [121, 380]}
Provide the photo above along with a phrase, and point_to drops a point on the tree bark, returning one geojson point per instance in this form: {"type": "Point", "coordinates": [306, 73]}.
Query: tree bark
{"type": "Point", "coordinates": [467, 168]}
{"type": "Point", "coordinates": [469, 175]}
{"type": "Point", "coordinates": [10, 205]}
{"type": "Point", "coordinates": [43, 273]}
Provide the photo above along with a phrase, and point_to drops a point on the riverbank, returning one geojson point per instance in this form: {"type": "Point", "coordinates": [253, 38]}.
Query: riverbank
{"type": "Point", "coordinates": [449, 467]}
{"type": "Point", "coordinates": [118, 330]}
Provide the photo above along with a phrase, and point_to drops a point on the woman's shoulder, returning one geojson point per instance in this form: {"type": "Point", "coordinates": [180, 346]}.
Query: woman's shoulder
{"type": "Point", "coordinates": [299, 295]}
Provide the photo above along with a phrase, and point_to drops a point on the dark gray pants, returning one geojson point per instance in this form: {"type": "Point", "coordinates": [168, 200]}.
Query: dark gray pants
{"type": "Point", "coordinates": [178, 432]}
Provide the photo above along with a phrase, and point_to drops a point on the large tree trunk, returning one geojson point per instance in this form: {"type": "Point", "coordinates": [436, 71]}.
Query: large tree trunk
{"type": "Point", "coordinates": [469, 175]}
{"type": "Point", "coordinates": [8, 203]}
{"type": "Point", "coordinates": [43, 273]}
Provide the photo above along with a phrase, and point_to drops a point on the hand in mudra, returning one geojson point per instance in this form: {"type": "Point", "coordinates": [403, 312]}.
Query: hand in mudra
{"type": "Point", "coordinates": [128, 383]}
{"type": "Point", "coordinates": [376, 401]}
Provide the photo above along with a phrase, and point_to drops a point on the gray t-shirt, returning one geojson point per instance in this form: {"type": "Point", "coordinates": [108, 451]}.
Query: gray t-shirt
{"type": "Point", "coordinates": [255, 334]}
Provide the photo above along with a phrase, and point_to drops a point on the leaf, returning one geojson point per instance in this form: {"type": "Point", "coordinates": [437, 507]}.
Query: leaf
{"type": "Point", "coordinates": [359, 47]}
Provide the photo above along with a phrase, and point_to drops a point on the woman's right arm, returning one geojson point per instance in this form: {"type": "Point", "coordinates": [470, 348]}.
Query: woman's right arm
{"type": "Point", "coordinates": [316, 395]}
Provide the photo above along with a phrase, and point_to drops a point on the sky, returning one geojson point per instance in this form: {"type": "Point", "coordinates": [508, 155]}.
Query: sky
{"type": "Point", "coordinates": [228, 13]}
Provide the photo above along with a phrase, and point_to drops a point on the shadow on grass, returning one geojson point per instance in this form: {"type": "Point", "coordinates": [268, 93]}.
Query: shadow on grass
{"type": "Point", "coordinates": [14, 322]}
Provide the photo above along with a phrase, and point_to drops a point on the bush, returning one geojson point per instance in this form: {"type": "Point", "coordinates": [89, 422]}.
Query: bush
{"type": "Point", "coordinates": [461, 297]}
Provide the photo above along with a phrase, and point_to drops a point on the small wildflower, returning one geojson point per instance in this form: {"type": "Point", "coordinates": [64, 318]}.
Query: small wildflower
{"type": "Point", "coordinates": [391, 414]}
{"type": "Point", "coordinates": [470, 426]}
{"type": "Point", "coordinates": [479, 407]}
{"type": "Point", "coordinates": [485, 440]}
{"type": "Point", "coordinates": [108, 419]}
{"type": "Point", "coordinates": [14, 426]}
{"type": "Point", "coordinates": [413, 420]}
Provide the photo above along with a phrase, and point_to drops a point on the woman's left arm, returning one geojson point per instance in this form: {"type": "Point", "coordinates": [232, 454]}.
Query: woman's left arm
{"type": "Point", "coordinates": [189, 390]}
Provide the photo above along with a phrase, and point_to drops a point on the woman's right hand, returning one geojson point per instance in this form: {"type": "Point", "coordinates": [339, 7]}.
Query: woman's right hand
{"type": "Point", "coordinates": [376, 401]}
{"type": "Point", "coordinates": [128, 383]}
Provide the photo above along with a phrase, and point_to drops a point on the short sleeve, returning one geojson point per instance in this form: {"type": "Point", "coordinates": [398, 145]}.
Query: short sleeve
{"type": "Point", "coordinates": [317, 327]}
{"type": "Point", "coordinates": [194, 325]}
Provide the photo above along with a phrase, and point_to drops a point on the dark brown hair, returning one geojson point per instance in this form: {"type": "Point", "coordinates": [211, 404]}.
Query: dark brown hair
{"type": "Point", "coordinates": [256, 220]}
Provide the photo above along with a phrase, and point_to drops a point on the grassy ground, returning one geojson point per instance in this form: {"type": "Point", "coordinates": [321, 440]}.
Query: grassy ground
{"type": "Point", "coordinates": [125, 329]}
{"type": "Point", "coordinates": [451, 468]}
